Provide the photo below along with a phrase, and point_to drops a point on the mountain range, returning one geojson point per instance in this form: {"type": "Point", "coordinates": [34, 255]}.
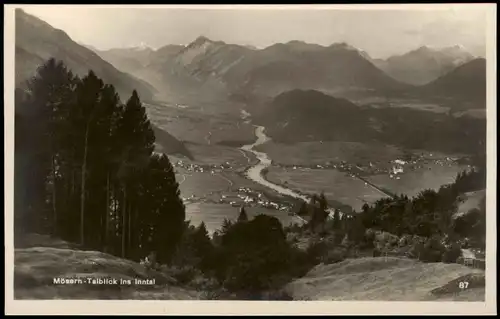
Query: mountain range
{"type": "Point", "coordinates": [211, 68]}
{"type": "Point", "coordinates": [425, 64]}
{"type": "Point", "coordinates": [37, 41]}
{"type": "Point", "coordinates": [235, 69]}
{"type": "Point", "coordinates": [208, 70]}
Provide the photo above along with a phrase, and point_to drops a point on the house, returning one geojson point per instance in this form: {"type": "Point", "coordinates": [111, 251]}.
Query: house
{"type": "Point", "coordinates": [472, 258]}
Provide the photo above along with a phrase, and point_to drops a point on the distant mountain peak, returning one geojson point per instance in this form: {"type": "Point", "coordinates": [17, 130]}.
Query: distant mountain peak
{"type": "Point", "coordinates": [251, 47]}
{"type": "Point", "coordinates": [202, 40]}
{"type": "Point", "coordinates": [344, 46]}
{"type": "Point", "coordinates": [456, 46]}
{"type": "Point", "coordinates": [143, 46]}
{"type": "Point", "coordinates": [423, 49]}
{"type": "Point", "coordinates": [296, 42]}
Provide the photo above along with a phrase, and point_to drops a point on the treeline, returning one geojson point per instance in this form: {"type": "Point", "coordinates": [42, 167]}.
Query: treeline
{"type": "Point", "coordinates": [431, 212]}
{"type": "Point", "coordinates": [85, 170]}
{"type": "Point", "coordinates": [244, 259]}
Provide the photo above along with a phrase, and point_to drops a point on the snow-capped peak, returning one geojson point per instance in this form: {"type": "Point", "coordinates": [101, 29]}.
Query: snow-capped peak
{"type": "Point", "coordinates": [142, 47]}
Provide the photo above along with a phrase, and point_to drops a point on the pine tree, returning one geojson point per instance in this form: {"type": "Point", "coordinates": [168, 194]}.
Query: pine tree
{"type": "Point", "coordinates": [81, 155]}
{"type": "Point", "coordinates": [88, 98]}
{"type": "Point", "coordinates": [201, 241]}
{"type": "Point", "coordinates": [242, 217]}
{"type": "Point", "coordinates": [43, 109]}
{"type": "Point", "coordinates": [226, 225]}
{"type": "Point", "coordinates": [135, 138]}
{"type": "Point", "coordinates": [162, 210]}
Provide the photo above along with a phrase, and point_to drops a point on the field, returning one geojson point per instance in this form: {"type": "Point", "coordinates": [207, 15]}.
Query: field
{"type": "Point", "coordinates": [411, 182]}
{"type": "Point", "coordinates": [212, 197]}
{"type": "Point", "coordinates": [389, 279]}
{"type": "Point", "coordinates": [336, 185]}
{"type": "Point", "coordinates": [195, 126]}
{"type": "Point", "coordinates": [217, 155]}
{"type": "Point", "coordinates": [319, 153]}
{"type": "Point", "coordinates": [213, 214]}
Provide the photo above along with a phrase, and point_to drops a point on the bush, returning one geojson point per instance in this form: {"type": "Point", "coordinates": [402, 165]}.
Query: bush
{"type": "Point", "coordinates": [368, 239]}
{"type": "Point", "coordinates": [452, 254]}
{"type": "Point", "coordinates": [255, 256]}
{"type": "Point", "coordinates": [183, 275]}
{"type": "Point", "coordinates": [415, 250]}
{"type": "Point", "coordinates": [405, 240]}
{"type": "Point", "coordinates": [316, 250]}
{"type": "Point", "coordinates": [333, 257]}
{"type": "Point", "coordinates": [432, 250]}
{"type": "Point", "coordinates": [376, 253]}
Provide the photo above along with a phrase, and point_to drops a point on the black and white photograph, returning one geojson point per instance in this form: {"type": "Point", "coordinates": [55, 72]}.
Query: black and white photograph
{"type": "Point", "coordinates": [251, 153]}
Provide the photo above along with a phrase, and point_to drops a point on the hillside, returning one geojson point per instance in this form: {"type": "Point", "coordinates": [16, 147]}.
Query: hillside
{"type": "Point", "coordinates": [388, 279]}
{"type": "Point", "coordinates": [39, 259]}
{"type": "Point", "coordinates": [37, 41]}
{"type": "Point", "coordinates": [467, 82]}
{"type": "Point", "coordinates": [423, 65]}
{"type": "Point", "coordinates": [128, 60]}
{"type": "Point", "coordinates": [169, 144]}
{"type": "Point", "coordinates": [301, 116]}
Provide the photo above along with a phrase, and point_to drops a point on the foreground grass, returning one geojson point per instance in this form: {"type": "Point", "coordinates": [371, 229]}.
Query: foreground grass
{"type": "Point", "coordinates": [36, 267]}
{"type": "Point", "coordinates": [389, 279]}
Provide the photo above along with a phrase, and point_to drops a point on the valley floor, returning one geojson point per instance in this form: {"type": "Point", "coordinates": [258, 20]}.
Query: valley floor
{"type": "Point", "coordinates": [213, 185]}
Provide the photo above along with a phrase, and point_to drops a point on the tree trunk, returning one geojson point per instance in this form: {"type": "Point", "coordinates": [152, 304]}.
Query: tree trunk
{"type": "Point", "coordinates": [106, 219]}
{"type": "Point", "coordinates": [124, 218]}
{"type": "Point", "coordinates": [82, 191]}
{"type": "Point", "coordinates": [54, 198]}
{"type": "Point", "coordinates": [130, 231]}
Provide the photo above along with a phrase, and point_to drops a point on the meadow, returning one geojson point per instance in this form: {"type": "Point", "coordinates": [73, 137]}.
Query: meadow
{"type": "Point", "coordinates": [214, 214]}
{"type": "Point", "coordinates": [193, 125]}
{"type": "Point", "coordinates": [337, 186]}
{"type": "Point", "coordinates": [388, 279]}
{"type": "Point", "coordinates": [320, 153]}
{"type": "Point", "coordinates": [411, 182]}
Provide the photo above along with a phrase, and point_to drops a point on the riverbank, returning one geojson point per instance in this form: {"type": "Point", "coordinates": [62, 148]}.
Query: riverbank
{"type": "Point", "coordinates": [255, 173]}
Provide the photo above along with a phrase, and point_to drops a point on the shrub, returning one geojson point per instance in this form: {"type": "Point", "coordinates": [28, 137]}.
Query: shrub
{"type": "Point", "coordinates": [376, 253]}
{"type": "Point", "coordinates": [405, 240]}
{"type": "Point", "coordinates": [255, 256]}
{"type": "Point", "coordinates": [452, 254]}
{"type": "Point", "coordinates": [432, 251]}
{"type": "Point", "coordinates": [184, 274]}
{"type": "Point", "coordinates": [333, 257]}
{"type": "Point", "coordinates": [316, 250]}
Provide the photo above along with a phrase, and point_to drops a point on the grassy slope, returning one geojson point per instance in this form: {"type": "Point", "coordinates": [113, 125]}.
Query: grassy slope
{"type": "Point", "coordinates": [39, 259]}
{"type": "Point", "coordinates": [391, 279]}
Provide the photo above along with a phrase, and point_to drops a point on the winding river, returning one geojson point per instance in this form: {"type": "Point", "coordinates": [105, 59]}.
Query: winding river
{"type": "Point", "coordinates": [254, 173]}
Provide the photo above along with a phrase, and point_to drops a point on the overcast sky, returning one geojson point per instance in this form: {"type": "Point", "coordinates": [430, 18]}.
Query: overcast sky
{"type": "Point", "coordinates": [381, 33]}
